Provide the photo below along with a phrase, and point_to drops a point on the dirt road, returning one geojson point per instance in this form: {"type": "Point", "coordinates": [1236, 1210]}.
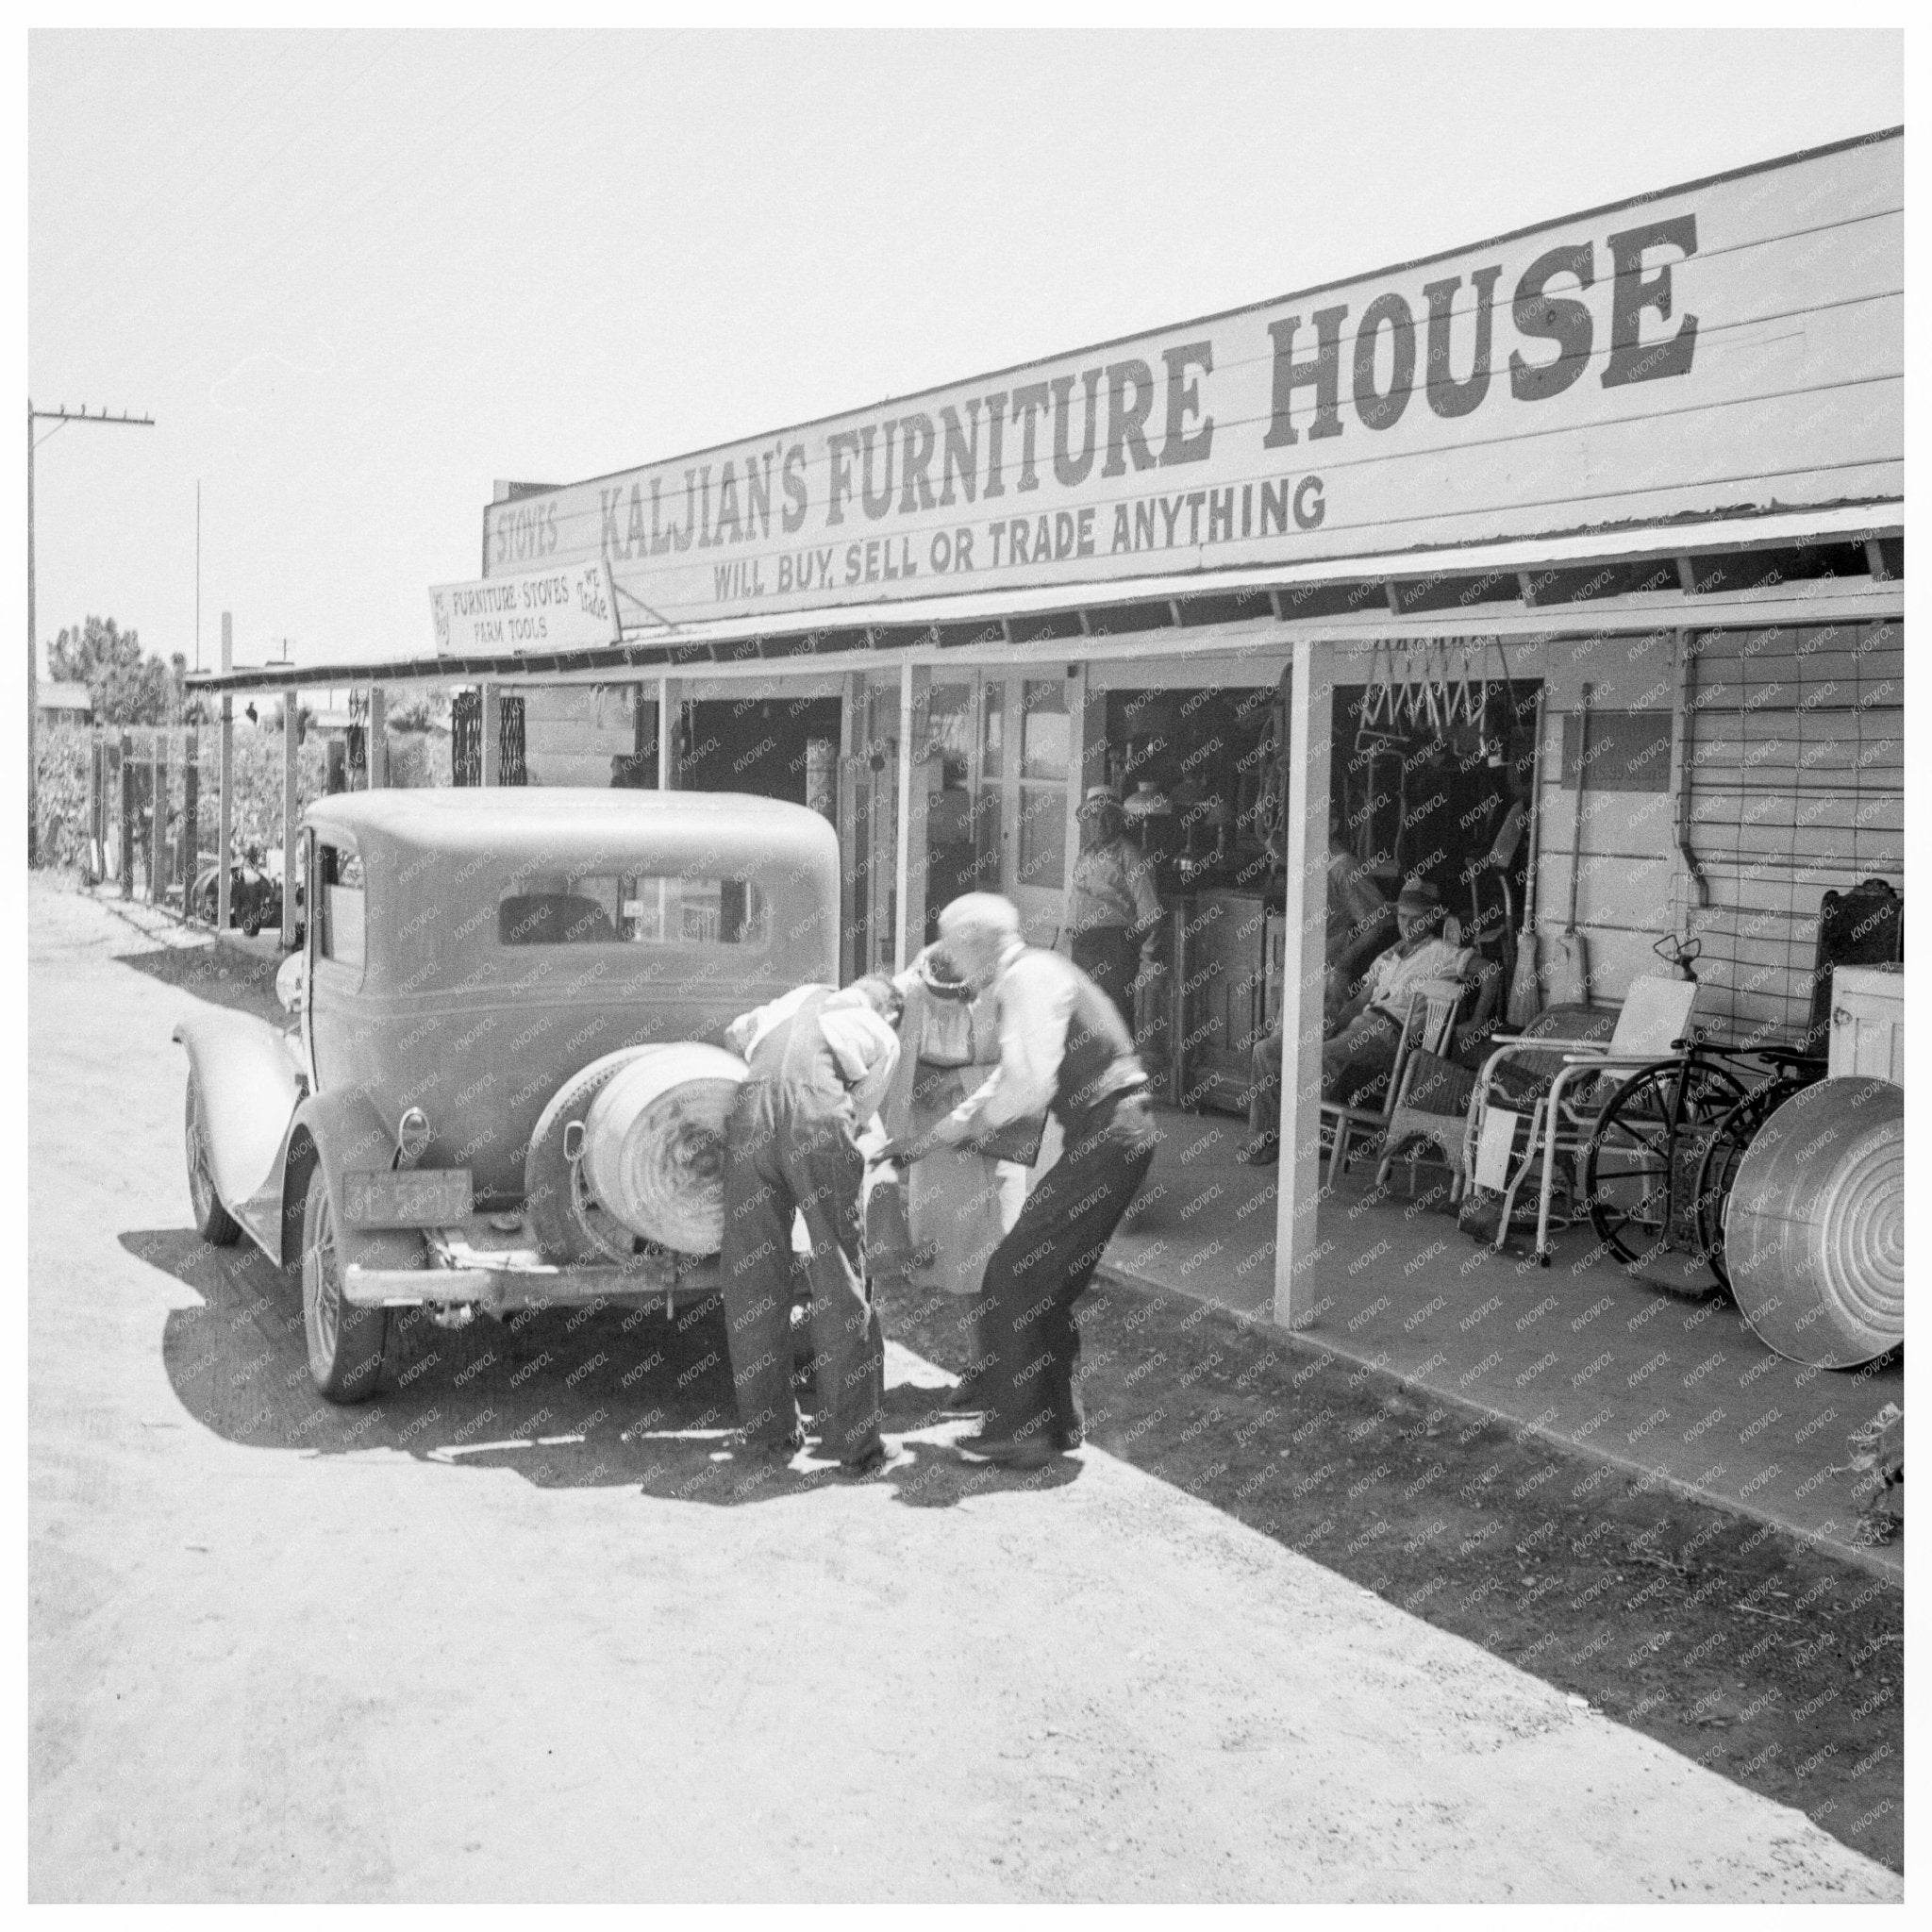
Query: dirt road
{"type": "Point", "coordinates": [514, 1632]}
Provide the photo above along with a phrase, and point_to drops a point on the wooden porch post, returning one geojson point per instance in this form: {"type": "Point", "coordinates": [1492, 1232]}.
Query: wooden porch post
{"type": "Point", "coordinates": [670, 715]}
{"type": "Point", "coordinates": [187, 851]}
{"type": "Point", "coordinates": [375, 752]}
{"type": "Point", "coordinates": [852, 889]}
{"type": "Point", "coordinates": [1086, 764]}
{"type": "Point", "coordinates": [1311, 717]}
{"type": "Point", "coordinates": [96, 844]}
{"type": "Point", "coordinates": [225, 809]}
{"type": "Point", "coordinates": [290, 811]}
{"type": "Point", "coordinates": [492, 711]}
{"type": "Point", "coordinates": [127, 814]}
{"type": "Point", "coordinates": [156, 815]}
{"type": "Point", "coordinates": [909, 871]}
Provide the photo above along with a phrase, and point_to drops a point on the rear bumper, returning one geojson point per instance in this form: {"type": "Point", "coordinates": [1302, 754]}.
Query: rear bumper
{"type": "Point", "coordinates": [494, 1289]}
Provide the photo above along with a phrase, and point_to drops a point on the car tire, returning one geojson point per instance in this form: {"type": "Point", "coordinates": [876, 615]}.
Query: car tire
{"type": "Point", "coordinates": [212, 1222]}
{"type": "Point", "coordinates": [345, 1342]}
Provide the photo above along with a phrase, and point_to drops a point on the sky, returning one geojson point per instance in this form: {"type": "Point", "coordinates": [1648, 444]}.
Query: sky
{"type": "Point", "coordinates": [356, 277]}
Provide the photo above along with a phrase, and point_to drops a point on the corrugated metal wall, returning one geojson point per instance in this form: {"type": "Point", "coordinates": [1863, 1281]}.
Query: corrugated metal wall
{"type": "Point", "coordinates": [1796, 759]}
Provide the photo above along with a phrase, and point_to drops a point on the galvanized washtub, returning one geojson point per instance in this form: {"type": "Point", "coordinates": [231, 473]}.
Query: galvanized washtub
{"type": "Point", "coordinates": [1814, 1232]}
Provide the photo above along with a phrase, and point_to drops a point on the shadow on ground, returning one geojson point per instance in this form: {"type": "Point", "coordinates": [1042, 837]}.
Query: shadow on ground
{"type": "Point", "coordinates": [1730, 1641]}
{"type": "Point", "coordinates": [223, 975]}
{"type": "Point", "coordinates": [609, 1396]}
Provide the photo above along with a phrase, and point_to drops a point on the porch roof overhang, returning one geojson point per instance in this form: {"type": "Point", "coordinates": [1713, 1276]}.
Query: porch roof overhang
{"type": "Point", "coordinates": [1138, 615]}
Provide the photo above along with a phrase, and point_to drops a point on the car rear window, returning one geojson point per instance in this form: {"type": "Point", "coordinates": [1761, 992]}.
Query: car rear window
{"type": "Point", "coordinates": [634, 909]}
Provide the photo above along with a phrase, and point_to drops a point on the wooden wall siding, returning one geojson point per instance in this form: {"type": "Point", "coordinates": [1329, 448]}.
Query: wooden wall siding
{"type": "Point", "coordinates": [1629, 860]}
{"type": "Point", "coordinates": [1797, 786]}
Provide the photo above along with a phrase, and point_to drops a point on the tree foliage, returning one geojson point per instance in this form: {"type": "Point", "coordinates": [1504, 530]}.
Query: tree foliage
{"type": "Point", "coordinates": [129, 686]}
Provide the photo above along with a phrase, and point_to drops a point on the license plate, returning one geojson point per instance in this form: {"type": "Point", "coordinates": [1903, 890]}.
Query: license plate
{"type": "Point", "coordinates": [407, 1197]}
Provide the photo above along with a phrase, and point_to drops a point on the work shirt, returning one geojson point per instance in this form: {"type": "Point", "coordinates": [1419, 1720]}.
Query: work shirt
{"type": "Point", "coordinates": [1394, 979]}
{"type": "Point", "coordinates": [1037, 994]}
{"type": "Point", "coordinates": [864, 1049]}
{"type": "Point", "coordinates": [1112, 886]}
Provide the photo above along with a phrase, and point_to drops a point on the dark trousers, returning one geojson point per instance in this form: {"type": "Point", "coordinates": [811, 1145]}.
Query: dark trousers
{"type": "Point", "coordinates": [1355, 1065]}
{"type": "Point", "coordinates": [1043, 1267]}
{"type": "Point", "coordinates": [1110, 958]}
{"type": "Point", "coordinates": [790, 1148]}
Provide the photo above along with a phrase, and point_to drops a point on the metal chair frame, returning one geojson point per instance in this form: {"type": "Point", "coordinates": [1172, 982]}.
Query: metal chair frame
{"type": "Point", "coordinates": [1428, 1024]}
{"type": "Point", "coordinates": [1654, 1016]}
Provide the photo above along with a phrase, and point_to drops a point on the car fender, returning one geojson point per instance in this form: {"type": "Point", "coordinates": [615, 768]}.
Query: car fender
{"type": "Point", "coordinates": [250, 1089]}
{"type": "Point", "coordinates": [340, 1127]}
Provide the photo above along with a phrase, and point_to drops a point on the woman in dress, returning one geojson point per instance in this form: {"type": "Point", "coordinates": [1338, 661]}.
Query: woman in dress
{"type": "Point", "coordinates": [960, 1202]}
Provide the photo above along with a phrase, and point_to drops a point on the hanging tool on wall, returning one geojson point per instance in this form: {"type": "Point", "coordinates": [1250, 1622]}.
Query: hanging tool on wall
{"type": "Point", "coordinates": [1567, 979]}
{"type": "Point", "coordinates": [1524, 1001]}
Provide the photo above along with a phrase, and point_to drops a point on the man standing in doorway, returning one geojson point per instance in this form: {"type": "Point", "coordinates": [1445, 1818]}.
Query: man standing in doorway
{"type": "Point", "coordinates": [1064, 1046]}
{"type": "Point", "coordinates": [820, 1061]}
{"type": "Point", "coordinates": [1113, 912]}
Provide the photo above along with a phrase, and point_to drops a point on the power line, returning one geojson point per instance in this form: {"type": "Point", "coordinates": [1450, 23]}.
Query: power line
{"type": "Point", "coordinates": [62, 416]}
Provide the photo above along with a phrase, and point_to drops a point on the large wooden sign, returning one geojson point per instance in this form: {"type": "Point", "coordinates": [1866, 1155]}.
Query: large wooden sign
{"type": "Point", "coordinates": [1732, 345]}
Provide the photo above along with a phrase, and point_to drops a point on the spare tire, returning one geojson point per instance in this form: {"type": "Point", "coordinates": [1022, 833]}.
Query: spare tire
{"type": "Point", "coordinates": [654, 1145]}
{"type": "Point", "coordinates": [560, 1232]}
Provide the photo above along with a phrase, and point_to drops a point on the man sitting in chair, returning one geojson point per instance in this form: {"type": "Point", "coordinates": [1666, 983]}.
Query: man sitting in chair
{"type": "Point", "coordinates": [1358, 1056]}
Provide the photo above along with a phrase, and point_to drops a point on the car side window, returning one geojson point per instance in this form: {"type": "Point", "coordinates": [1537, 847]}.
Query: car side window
{"type": "Point", "coordinates": [339, 932]}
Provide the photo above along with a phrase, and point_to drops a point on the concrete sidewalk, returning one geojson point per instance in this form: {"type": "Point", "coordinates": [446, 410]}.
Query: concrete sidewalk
{"type": "Point", "coordinates": [1679, 1391]}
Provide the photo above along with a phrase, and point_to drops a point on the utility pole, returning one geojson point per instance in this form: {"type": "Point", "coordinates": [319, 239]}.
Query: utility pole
{"type": "Point", "coordinates": [63, 415]}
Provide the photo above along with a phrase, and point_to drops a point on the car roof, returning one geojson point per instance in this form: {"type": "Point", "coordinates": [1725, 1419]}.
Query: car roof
{"type": "Point", "coordinates": [517, 822]}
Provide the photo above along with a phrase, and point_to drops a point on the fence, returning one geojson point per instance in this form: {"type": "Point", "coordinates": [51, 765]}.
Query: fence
{"type": "Point", "coordinates": [98, 788]}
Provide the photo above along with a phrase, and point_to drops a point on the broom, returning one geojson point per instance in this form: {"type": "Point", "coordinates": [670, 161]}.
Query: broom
{"type": "Point", "coordinates": [1524, 982]}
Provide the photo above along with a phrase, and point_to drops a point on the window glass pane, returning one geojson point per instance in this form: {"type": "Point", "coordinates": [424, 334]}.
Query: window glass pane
{"type": "Point", "coordinates": [992, 729]}
{"type": "Point", "coordinates": [640, 908]}
{"type": "Point", "coordinates": [1043, 836]}
{"type": "Point", "coordinates": [1045, 733]}
{"type": "Point", "coordinates": [986, 835]}
{"type": "Point", "coordinates": [949, 733]}
{"type": "Point", "coordinates": [338, 935]}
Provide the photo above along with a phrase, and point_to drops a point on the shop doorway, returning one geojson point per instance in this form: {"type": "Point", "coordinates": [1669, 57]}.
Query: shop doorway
{"type": "Point", "coordinates": [1438, 780]}
{"type": "Point", "coordinates": [998, 761]}
{"type": "Point", "coordinates": [770, 747]}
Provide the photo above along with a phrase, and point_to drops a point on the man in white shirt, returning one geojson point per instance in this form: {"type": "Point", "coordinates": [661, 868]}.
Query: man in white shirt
{"type": "Point", "coordinates": [820, 1061]}
{"type": "Point", "coordinates": [1063, 1047]}
{"type": "Point", "coordinates": [1358, 1055]}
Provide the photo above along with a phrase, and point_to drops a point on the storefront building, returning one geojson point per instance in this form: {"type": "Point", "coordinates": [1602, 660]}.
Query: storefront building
{"type": "Point", "coordinates": [1602, 521]}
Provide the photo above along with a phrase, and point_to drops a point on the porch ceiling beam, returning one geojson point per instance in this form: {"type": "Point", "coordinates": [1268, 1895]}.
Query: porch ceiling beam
{"type": "Point", "coordinates": [1856, 523]}
{"type": "Point", "coordinates": [1832, 600]}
